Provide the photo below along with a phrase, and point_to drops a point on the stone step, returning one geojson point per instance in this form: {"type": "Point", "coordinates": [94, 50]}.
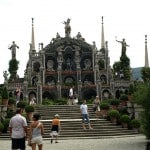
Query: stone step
{"type": "Point", "coordinates": [65, 111]}
{"type": "Point", "coordinates": [71, 123]}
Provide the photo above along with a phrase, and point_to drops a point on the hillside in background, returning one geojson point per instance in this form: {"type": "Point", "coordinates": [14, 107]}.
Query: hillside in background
{"type": "Point", "coordinates": [136, 73]}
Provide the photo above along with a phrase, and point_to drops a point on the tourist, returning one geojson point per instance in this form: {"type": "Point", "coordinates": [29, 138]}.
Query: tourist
{"type": "Point", "coordinates": [71, 96]}
{"type": "Point", "coordinates": [55, 129]}
{"type": "Point", "coordinates": [36, 131]}
{"type": "Point", "coordinates": [18, 130]}
{"type": "Point", "coordinates": [17, 93]}
{"type": "Point", "coordinates": [32, 101]}
{"type": "Point", "coordinates": [96, 106]}
{"type": "Point", "coordinates": [75, 99]}
{"type": "Point", "coordinates": [85, 115]}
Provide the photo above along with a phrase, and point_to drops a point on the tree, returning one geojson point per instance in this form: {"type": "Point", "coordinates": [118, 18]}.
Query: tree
{"type": "Point", "coordinates": [123, 66]}
{"type": "Point", "coordinates": [142, 96]}
{"type": "Point", "coordinates": [146, 74]}
{"type": "Point", "coordinates": [5, 93]}
{"type": "Point", "coordinates": [13, 67]}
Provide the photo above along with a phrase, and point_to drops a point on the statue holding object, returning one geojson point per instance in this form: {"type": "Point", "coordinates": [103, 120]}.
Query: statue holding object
{"type": "Point", "coordinates": [13, 49]}
{"type": "Point", "coordinates": [67, 27]}
{"type": "Point", "coordinates": [124, 45]}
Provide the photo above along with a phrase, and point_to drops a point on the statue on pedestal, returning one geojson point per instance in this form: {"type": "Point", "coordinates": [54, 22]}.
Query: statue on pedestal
{"type": "Point", "coordinates": [67, 28]}
{"type": "Point", "coordinates": [5, 75]}
{"type": "Point", "coordinates": [124, 45]}
{"type": "Point", "coordinates": [13, 49]}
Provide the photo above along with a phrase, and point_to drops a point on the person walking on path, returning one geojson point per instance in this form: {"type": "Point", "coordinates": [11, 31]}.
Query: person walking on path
{"type": "Point", "coordinates": [18, 130]}
{"type": "Point", "coordinates": [36, 132]}
{"type": "Point", "coordinates": [55, 129]}
{"type": "Point", "coordinates": [85, 115]}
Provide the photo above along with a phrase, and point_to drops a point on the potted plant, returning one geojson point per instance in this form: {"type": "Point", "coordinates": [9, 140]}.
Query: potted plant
{"type": "Point", "coordinates": [114, 103]}
{"type": "Point", "coordinates": [125, 119]}
{"type": "Point", "coordinates": [5, 96]}
{"type": "Point", "coordinates": [29, 109]}
{"type": "Point", "coordinates": [22, 105]}
{"type": "Point", "coordinates": [1, 127]}
{"type": "Point", "coordinates": [6, 124]}
{"type": "Point", "coordinates": [135, 124]}
{"type": "Point", "coordinates": [104, 107]}
{"type": "Point", "coordinates": [124, 99]}
{"type": "Point", "coordinates": [131, 91]}
{"type": "Point", "coordinates": [114, 115]}
{"type": "Point", "coordinates": [11, 102]}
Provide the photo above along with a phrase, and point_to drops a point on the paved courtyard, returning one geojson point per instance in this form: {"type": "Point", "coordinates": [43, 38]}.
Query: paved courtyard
{"type": "Point", "coordinates": [126, 143]}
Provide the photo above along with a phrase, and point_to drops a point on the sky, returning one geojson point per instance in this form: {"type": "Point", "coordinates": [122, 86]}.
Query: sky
{"type": "Point", "coordinates": [129, 19]}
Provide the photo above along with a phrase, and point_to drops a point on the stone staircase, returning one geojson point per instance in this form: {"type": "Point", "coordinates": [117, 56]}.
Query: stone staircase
{"type": "Point", "coordinates": [71, 123]}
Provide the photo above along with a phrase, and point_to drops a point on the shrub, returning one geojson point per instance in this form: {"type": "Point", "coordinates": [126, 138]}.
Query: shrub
{"type": "Point", "coordinates": [1, 127]}
{"type": "Point", "coordinates": [22, 104]}
{"type": "Point", "coordinates": [114, 102]}
{"type": "Point", "coordinates": [61, 101]}
{"type": "Point", "coordinates": [11, 101]}
{"type": "Point", "coordinates": [114, 113]}
{"type": "Point", "coordinates": [10, 113]}
{"type": "Point", "coordinates": [29, 108]}
{"type": "Point", "coordinates": [104, 105]}
{"type": "Point", "coordinates": [123, 110]}
{"type": "Point", "coordinates": [135, 123]}
{"type": "Point", "coordinates": [5, 93]}
{"type": "Point", "coordinates": [6, 124]}
{"type": "Point", "coordinates": [47, 102]}
{"type": "Point", "coordinates": [125, 119]}
{"type": "Point", "coordinates": [108, 101]}
{"type": "Point", "coordinates": [141, 97]}
{"type": "Point", "coordinates": [124, 97]}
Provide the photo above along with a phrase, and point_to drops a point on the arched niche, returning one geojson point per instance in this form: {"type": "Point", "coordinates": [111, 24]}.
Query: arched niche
{"type": "Point", "coordinates": [86, 63]}
{"type": "Point", "coordinates": [34, 80]}
{"type": "Point", "coordinates": [50, 80]}
{"type": "Point", "coordinates": [31, 95]}
{"type": "Point", "coordinates": [88, 79]}
{"type": "Point", "coordinates": [49, 95]}
{"type": "Point", "coordinates": [69, 80]}
{"type": "Point", "coordinates": [103, 79]}
{"type": "Point", "coordinates": [88, 94]}
{"type": "Point", "coordinates": [36, 67]}
{"type": "Point", "coordinates": [106, 94]}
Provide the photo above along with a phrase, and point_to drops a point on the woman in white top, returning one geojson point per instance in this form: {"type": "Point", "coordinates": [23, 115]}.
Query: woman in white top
{"type": "Point", "coordinates": [36, 132]}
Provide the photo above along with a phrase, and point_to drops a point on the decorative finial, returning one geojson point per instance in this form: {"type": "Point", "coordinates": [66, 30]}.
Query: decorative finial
{"type": "Point", "coordinates": [102, 36]}
{"type": "Point", "coordinates": [102, 19]}
{"type": "Point", "coordinates": [32, 36]}
{"type": "Point", "coordinates": [32, 21]}
{"type": "Point", "coordinates": [145, 38]}
{"type": "Point", "coordinates": [146, 53]}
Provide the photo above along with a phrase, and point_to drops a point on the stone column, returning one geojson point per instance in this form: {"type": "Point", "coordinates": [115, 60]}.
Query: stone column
{"type": "Point", "coordinates": [59, 89]}
{"type": "Point", "coordinates": [39, 90]}
{"type": "Point", "coordinates": [59, 70]}
{"type": "Point", "coordinates": [29, 74]}
{"type": "Point", "coordinates": [42, 76]}
{"type": "Point", "coordinates": [79, 89]}
{"type": "Point", "coordinates": [25, 88]}
{"type": "Point", "coordinates": [98, 88]}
